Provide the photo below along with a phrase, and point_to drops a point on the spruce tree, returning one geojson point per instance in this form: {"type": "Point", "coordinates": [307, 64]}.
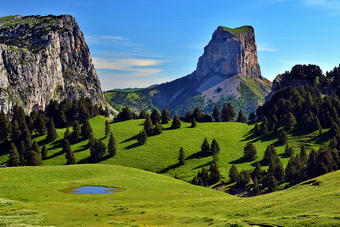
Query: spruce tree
{"type": "Point", "coordinates": [303, 155]}
{"type": "Point", "coordinates": [5, 127]}
{"type": "Point", "coordinates": [256, 188]}
{"type": "Point", "coordinates": [264, 129]}
{"type": "Point", "coordinates": [51, 131]}
{"type": "Point", "coordinates": [289, 151]}
{"type": "Point", "coordinates": [283, 138]}
{"type": "Point", "coordinates": [234, 174]}
{"type": "Point", "coordinates": [107, 128]}
{"type": "Point", "coordinates": [148, 126]}
{"type": "Point", "coordinates": [216, 114]}
{"type": "Point", "coordinates": [176, 123]}
{"type": "Point", "coordinates": [76, 130]}
{"type": "Point", "coordinates": [44, 152]}
{"type": "Point", "coordinates": [98, 149]}
{"type": "Point", "coordinates": [86, 130]}
{"type": "Point", "coordinates": [257, 130]}
{"type": "Point", "coordinates": [205, 147]}
{"type": "Point", "coordinates": [231, 111]}
{"type": "Point", "coordinates": [241, 117]}
{"type": "Point", "coordinates": [181, 157]}
{"type": "Point", "coordinates": [289, 121]}
{"type": "Point", "coordinates": [215, 174]}
{"type": "Point", "coordinates": [165, 116]}
{"type": "Point", "coordinates": [112, 146]}
{"type": "Point", "coordinates": [70, 159]}
{"type": "Point", "coordinates": [33, 159]}
{"type": "Point", "coordinates": [158, 128]}
{"type": "Point", "coordinates": [67, 133]}
{"type": "Point", "coordinates": [143, 114]}
{"type": "Point", "coordinates": [40, 124]}
{"type": "Point", "coordinates": [142, 137]}
{"type": "Point", "coordinates": [272, 185]}
{"type": "Point", "coordinates": [16, 132]}
{"type": "Point", "coordinates": [249, 152]}
{"type": "Point", "coordinates": [215, 148]}
{"type": "Point", "coordinates": [155, 116]}
{"type": "Point", "coordinates": [225, 115]}
{"type": "Point", "coordinates": [252, 116]}
{"type": "Point", "coordinates": [193, 123]}
{"type": "Point", "coordinates": [14, 156]}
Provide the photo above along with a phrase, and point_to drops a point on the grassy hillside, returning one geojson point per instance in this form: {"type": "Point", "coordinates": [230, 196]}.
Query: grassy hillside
{"type": "Point", "coordinates": [160, 152]}
{"type": "Point", "coordinates": [33, 195]}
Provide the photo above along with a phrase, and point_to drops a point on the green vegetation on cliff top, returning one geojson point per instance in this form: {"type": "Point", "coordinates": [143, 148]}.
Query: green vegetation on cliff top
{"type": "Point", "coordinates": [236, 30]}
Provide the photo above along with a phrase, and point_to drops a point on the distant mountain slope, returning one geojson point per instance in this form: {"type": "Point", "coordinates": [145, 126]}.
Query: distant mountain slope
{"type": "Point", "coordinates": [228, 71]}
{"type": "Point", "coordinates": [44, 58]}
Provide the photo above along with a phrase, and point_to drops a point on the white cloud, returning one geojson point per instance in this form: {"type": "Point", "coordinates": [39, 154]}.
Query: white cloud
{"type": "Point", "coordinates": [331, 6]}
{"type": "Point", "coordinates": [124, 64]}
{"type": "Point", "coordinates": [265, 47]}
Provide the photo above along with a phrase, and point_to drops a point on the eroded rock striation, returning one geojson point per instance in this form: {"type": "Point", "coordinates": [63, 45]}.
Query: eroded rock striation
{"type": "Point", "coordinates": [44, 58]}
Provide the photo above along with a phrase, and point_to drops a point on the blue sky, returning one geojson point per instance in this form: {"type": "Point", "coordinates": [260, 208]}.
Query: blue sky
{"type": "Point", "coordinates": [137, 43]}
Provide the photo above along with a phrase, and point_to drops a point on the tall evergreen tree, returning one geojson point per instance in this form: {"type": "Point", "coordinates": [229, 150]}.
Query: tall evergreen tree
{"type": "Point", "coordinates": [107, 128]}
{"type": "Point", "coordinates": [289, 121]}
{"type": "Point", "coordinates": [165, 116]}
{"type": "Point", "coordinates": [86, 130]}
{"type": "Point", "coordinates": [181, 157]}
{"type": "Point", "coordinates": [205, 147]}
{"type": "Point", "coordinates": [158, 128]}
{"type": "Point", "coordinates": [283, 137]}
{"type": "Point", "coordinates": [272, 185]}
{"type": "Point", "coordinates": [40, 124]}
{"type": "Point", "coordinates": [303, 155]}
{"type": "Point", "coordinates": [148, 126]}
{"type": "Point", "coordinates": [155, 116]}
{"type": "Point", "coordinates": [16, 132]}
{"type": "Point", "coordinates": [14, 156]}
{"type": "Point", "coordinates": [215, 148]}
{"type": "Point", "coordinates": [233, 173]}
{"type": "Point", "coordinates": [289, 151]}
{"type": "Point", "coordinates": [231, 111]}
{"type": "Point", "coordinates": [142, 137]}
{"type": "Point", "coordinates": [76, 130]}
{"type": "Point", "coordinates": [51, 131]}
{"type": "Point", "coordinates": [241, 117]}
{"type": "Point", "coordinates": [193, 123]}
{"type": "Point", "coordinates": [70, 159]}
{"type": "Point", "coordinates": [112, 146]}
{"type": "Point", "coordinates": [5, 127]}
{"type": "Point", "coordinates": [176, 123]}
{"type": "Point", "coordinates": [252, 116]}
{"type": "Point", "coordinates": [215, 174]}
{"type": "Point", "coordinates": [143, 114]}
{"type": "Point", "coordinates": [216, 114]}
{"type": "Point", "coordinates": [249, 152]}
{"type": "Point", "coordinates": [98, 149]}
{"type": "Point", "coordinates": [67, 133]}
{"type": "Point", "coordinates": [44, 152]}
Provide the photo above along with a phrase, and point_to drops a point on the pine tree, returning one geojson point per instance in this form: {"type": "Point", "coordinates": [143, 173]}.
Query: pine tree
{"type": "Point", "coordinates": [26, 137]}
{"type": "Point", "coordinates": [289, 151]}
{"type": "Point", "coordinates": [5, 127]}
{"type": "Point", "coordinates": [193, 123]}
{"type": "Point", "coordinates": [158, 128]}
{"type": "Point", "coordinates": [143, 114]}
{"type": "Point", "coordinates": [252, 116]}
{"type": "Point", "coordinates": [40, 124]}
{"type": "Point", "coordinates": [112, 146]}
{"type": "Point", "coordinates": [181, 157]}
{"type": "Point", "coordinates": [249, 152]}
{"type": "Point", "coordinates": [16, 132]}
{"type": "Point", "coordinates": [44, 152]}
{"type": "Point", "coordinates": [215, 149]}
{"type": "Point", "coordinates": [33, 159]}
{"type": "Point", "coordinates": [234, 174]}
{"type": "Point", "coordinates": [225, 115]}
{"type": "Point", "coordinates": [148, 126]}
{"type": "Point", "coordinates": [256, 188]}
{"type": "Point", "coordinates": [241, 117]}
{"type": "Point", "coordinates": [51, 131]}
{"type": "Point", "coordinates": [205, 147]}
{"type": "Point", "coordinates": [215, 174]}
{"type": "Point", "coordinates": [165, 116]}
{"type": "Point", "coordinates": [107, 128]}
{"type": "Point", "coordinates": [303, 155]}
{"type": "Point", "coordinates": [283, 138]}
{"type": "Point", "coordinates": [289, 121]}
{"type": "Point", "coordinates": [231, 111]}
{"type": "Point", "coordinates": [98, 149]}
{"type": "Point", "coordinates": [70, 159]}
{"type": "Point", "coordinates": [264, 129]}
{"type": "Point", "coordinates": [14, 156]}
{"type": "Point", "coordinates": [67, 133]}
{"type": "Point", "coordinates": [142, 137]}
{"type": "Point", "coordinates": [257, 172]}
{"type": "Point", "coordinates": [176, 123]}
{"type": "Point", "coordinates": [269, 154]}
{"type": "Point", "coordinates": [76, 130]}
{"type": "Point", "coordinates": [216, 114]}
{"type": "Point", "coordinates": [272, 185]}
{"type": "Point", "coordinates": [86, 130]}
{"type": "Point", "coordinates": [155, 116]}
{"type": "Point", "coordinates": [257, 130]}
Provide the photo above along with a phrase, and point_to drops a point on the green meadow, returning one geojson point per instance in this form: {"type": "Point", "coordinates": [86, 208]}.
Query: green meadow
{"type": "Point", "coordinates": [34, 196]}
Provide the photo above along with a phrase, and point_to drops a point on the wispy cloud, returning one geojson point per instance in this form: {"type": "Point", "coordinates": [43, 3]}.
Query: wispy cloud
{"type": "Point", "coordinates": [113, 41]}
{"type": "Point", "coordinates": [123, 64]}
{"type": "Point", "coordinates": [330, 6]}
{"type": "Point", "coordinates": [265, 47]}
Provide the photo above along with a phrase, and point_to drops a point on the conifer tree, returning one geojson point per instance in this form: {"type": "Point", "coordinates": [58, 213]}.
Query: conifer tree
{"type": "Point", "coordinates": [257, 172]}
{"type": "Point", "coordinates": [241, 117]}
{"type": "Point", "coordinates": [289, 151]}
{"type": "Point", "coordinates": [165, 116]}
{"type": "Point", "coordinates": [249, 152]}
{"type": "Point", "coordinates": [176, 123]}
{"type": "Point", "coordinates": [289, 121]}
{"type": "Point", "coordinates": [14, 156]}
{"type": "Point", "coordinates": [67, 133]}
{"type": "Point", "coordinates": [158, 128]}
{"type": "Point", "coordinates": [70, 159]}
{"type": "Point", "coordinates": [303, 155]}
{"type": "Point", "coordinates": [148, 126]}
{"type": "Point", "coordinates": [51, 131]}
{"type": "Point", "coordinates": [142, 137]}
{"type": "Point", "coordinates": [225, 115]}
{"type": "Point", "coordinates": [215, 148]}
{"type": "Point", "coordinates": [155, 116]}
{"type": "Point", "coordinates": [215, 174]}
{"type": "Point", "coordinates": [40, 124]}
{"type": "Point", "coordinates": [252, 116]}
{"type": "Point", "coordinates": [143, 114]}
{"type": "Point", "coordinates": [107, 128]}
{"type": "Point", "coordinates": [181, 157]}
{"type": "Point", "coordinates": [269, 154]}
{"type": "Point", "coordinates": [15, 130]}
{"type": "Point", "coordinates": [264, 129]}
{"type": "Point", "coordinates": [26, 137]}
{"type": "Point", "coordinates": [256, 188]}
{"type": "Point", "coordinates": [257, 130]}
{"type": "Point", "coordinates": [231, 111]}
{"type": "Point", "coordinates": [234, 174]}
{"type": "Point", "coordinates": [86, 130]}
{"type": "Point", "coordinates": [272, 185]}
{"type": "Point", "coordinates": [98, 149]}
{"type": "Point", "coordinates": [44, 152]}
{"type": "Point", "coordinates": [33, 159]}
{"type": "Point", "coordinates": [112, 146]}
{"type": "Point", "coordinates": [5, 127]}
{"type": "Point", "coordinates": [283, 137]}
{"type": "Point", "coordinates": [216, 114]}
{"type": "Point", "coordinates": [193, 123]}
{"type": "Point", "coordinates": [76, 130]}
{"type": "Point", "coordinates": [205, 147]}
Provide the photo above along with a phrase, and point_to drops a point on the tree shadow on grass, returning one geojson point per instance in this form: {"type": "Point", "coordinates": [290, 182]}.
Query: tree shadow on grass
{"type": "Point", "coordinates": [130, 139]}
{"type": "Point", "coordinates": [55, 154]}
{"type": "Point", "coordinates": [204, 165]}
{"type": "Point", "coordinates": [134, 145]}
{"type": "Point", "coordinates": [174, 166]}
{"type": "Point", "coordinates": [239, 161]}
{"type": "Point", "coordinates": [82, 148]}
{"type": "Point", "coordinates": [57, 144]}
{"type": "Point", "coordinates": [198, 155]}
{"type": "Point", "coordinates": [92, 160]}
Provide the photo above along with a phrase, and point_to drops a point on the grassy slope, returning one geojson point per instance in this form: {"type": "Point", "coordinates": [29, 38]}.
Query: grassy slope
{"type": "Point", "coordinates": [160, 152]}
{"type": "Point", "coordinates": [32, 196]}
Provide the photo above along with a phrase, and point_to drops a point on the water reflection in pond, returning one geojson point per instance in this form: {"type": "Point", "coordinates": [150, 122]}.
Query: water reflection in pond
{"type": "Point", "coordinates": [92, 190]}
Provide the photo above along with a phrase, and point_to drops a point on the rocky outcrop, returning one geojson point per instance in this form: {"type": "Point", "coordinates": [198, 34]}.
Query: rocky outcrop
{"type": "Point", "coordinates": [44, 58]}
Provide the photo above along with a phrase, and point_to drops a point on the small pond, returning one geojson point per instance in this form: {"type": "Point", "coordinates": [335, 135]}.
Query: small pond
{"type": "Point", "coordinates": [92, 190]}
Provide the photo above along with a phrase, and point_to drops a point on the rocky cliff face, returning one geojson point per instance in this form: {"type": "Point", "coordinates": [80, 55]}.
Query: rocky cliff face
{"type": "Point", "coordinates": [44, 58]}
{"type": "Point", "coordinates": [228, 71]}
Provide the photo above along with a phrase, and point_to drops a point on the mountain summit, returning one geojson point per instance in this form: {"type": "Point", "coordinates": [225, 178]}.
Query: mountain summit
{"type": "Point", "coordinates": [228, 71]}
{"type": "Point", "coordinates": [44, 58]}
